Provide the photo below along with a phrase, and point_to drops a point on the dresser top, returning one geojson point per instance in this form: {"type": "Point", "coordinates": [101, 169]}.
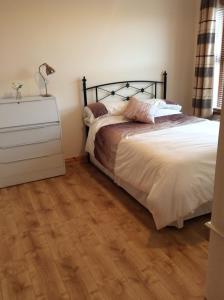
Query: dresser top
{"type": "Point", "coordinates": [25, 99]}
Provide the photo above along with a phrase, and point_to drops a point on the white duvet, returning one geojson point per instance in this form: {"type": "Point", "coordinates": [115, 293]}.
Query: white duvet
{"type": "Point", "coordinates": [174, 167]}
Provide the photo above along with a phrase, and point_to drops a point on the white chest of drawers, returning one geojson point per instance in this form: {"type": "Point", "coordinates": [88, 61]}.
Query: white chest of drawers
{"type": "Point", "coordinates": [30, 140]}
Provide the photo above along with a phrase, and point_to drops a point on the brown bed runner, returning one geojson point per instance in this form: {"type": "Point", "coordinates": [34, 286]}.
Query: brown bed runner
{"type": "Point", "coordinates": [109, 136]}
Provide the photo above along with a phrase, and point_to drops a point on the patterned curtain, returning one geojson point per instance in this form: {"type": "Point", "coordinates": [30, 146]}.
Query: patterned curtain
{"type": "Point", "coordinates": [203, 85]}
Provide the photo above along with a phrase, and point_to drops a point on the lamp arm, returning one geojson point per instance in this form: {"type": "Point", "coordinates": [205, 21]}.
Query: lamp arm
{"type": "Point", "coordinates": [44, 79]}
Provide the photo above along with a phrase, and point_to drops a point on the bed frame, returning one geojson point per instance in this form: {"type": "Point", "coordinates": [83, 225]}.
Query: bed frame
{"type": "Point", "coordinates": [126, 85]}
{"type": "Point", "coordinates": [134, 90]}
{"type": "Point", "coordinates": [153, 85]}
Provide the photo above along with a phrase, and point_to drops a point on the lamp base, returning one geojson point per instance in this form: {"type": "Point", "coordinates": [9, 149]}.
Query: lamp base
{"type": "Point", "coordinates": [46, 95]}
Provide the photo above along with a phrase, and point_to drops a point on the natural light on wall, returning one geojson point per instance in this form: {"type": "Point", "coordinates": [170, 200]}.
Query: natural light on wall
{"type": "Point", "coordinates": [218, 70]}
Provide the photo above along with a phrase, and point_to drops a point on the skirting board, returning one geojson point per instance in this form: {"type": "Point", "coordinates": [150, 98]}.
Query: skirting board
{"type": "Point", "coordinates": [81, 158]}
{"type": "Point", "coordinates": [28, 177]}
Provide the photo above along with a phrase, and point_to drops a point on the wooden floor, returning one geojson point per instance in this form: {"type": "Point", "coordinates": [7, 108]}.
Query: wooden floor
{"type": "Point", "coordinates": [81, 237]}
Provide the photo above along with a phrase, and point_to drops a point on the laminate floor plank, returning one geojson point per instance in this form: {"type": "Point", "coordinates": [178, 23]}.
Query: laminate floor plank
{"type": "Point", "coordinates": [126, 265]}
{"type": "Point", "coordinates": [100, 264]}
{"type": "Point", "coordinates": [80, 236]}
{"type": "Point", "coordinates": [159, 286]}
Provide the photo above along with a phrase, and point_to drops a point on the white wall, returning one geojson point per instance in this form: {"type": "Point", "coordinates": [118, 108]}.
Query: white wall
{"type": "Point", "coordinates": [106, 40]}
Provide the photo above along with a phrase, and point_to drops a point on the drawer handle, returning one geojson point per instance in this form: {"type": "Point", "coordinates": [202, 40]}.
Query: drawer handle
{"type": "Point", "coordinates": [28, 144]}
{"type": "Point", "coordinates": [28, 127]}
{"type": "Point", "coordinates": [20, 160]}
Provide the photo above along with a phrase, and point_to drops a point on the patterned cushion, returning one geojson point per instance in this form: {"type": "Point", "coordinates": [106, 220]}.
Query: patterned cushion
{"type": "Point", "coordinates": [140, 111]}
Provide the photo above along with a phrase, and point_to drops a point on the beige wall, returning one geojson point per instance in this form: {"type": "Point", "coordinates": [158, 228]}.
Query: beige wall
{"type": "Point", "coordinates": [104, 40]}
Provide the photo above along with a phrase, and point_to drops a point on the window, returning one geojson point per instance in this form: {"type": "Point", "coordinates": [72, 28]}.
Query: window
{"type": "Point", "coordinates": [218, 92]}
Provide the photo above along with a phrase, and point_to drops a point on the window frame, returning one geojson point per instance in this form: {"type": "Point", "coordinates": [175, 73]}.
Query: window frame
{"type": "Point", "coordinates": [218, 59]}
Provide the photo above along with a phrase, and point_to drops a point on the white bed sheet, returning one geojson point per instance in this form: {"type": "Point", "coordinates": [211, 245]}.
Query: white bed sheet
{"type": "Point", "coordinates": [173, 167]}
{"type": "Point", "coordinates": [95, 127]}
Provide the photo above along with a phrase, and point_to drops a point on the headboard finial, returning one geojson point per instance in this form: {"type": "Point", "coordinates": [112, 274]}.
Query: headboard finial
{"type": "Point", "coordinates": [164, 84]}
{"type": "Point", "coordinates": [84, 90]}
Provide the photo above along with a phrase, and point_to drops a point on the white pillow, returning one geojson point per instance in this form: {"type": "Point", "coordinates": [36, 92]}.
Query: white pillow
{"type": "Point", "coordinates": [153, 101]}
{"type": "Point", "coordinates": [88, 116]}
{"type": "Point", "coordinates": [175, 107]}
{"type": "Point", "coordinates": [172, 106]}
{"type": "Point", "coordinates": [166, 112]}
{"type": "Point", "coordinates": [161, 103]}
{"type": "Point", "coordinates": [115, 106]}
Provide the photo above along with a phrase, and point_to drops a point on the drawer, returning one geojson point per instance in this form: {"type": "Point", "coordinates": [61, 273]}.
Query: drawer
{"type": "Point", "coordinates": [28, 113]}
{"type": "Point", "coordinates": [32, 169]}
{"type": "Point", "coordinates": [29, 135]}
{"type": "Point", "coordinates": [29, 151]}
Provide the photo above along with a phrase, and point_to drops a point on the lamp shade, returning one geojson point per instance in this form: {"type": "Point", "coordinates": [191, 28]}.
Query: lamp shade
{"type": "Point", "coordinates": [49, 69]}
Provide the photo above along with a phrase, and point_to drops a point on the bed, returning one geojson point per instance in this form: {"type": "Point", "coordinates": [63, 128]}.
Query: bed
{"type": "Point", "coordinates": [168, 166]}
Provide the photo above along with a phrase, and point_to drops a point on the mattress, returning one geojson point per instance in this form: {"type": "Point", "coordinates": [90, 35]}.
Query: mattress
{"type": "Point", "coordinates": [169, 170]}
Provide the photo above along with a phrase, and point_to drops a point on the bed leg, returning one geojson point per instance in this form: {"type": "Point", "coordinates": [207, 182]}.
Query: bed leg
{"type": "Point", "coordinates": [180, 223]}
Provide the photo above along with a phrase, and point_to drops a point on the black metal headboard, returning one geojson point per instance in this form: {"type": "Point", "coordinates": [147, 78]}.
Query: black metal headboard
{"type": "Point", "coordinates": [125, 85]}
